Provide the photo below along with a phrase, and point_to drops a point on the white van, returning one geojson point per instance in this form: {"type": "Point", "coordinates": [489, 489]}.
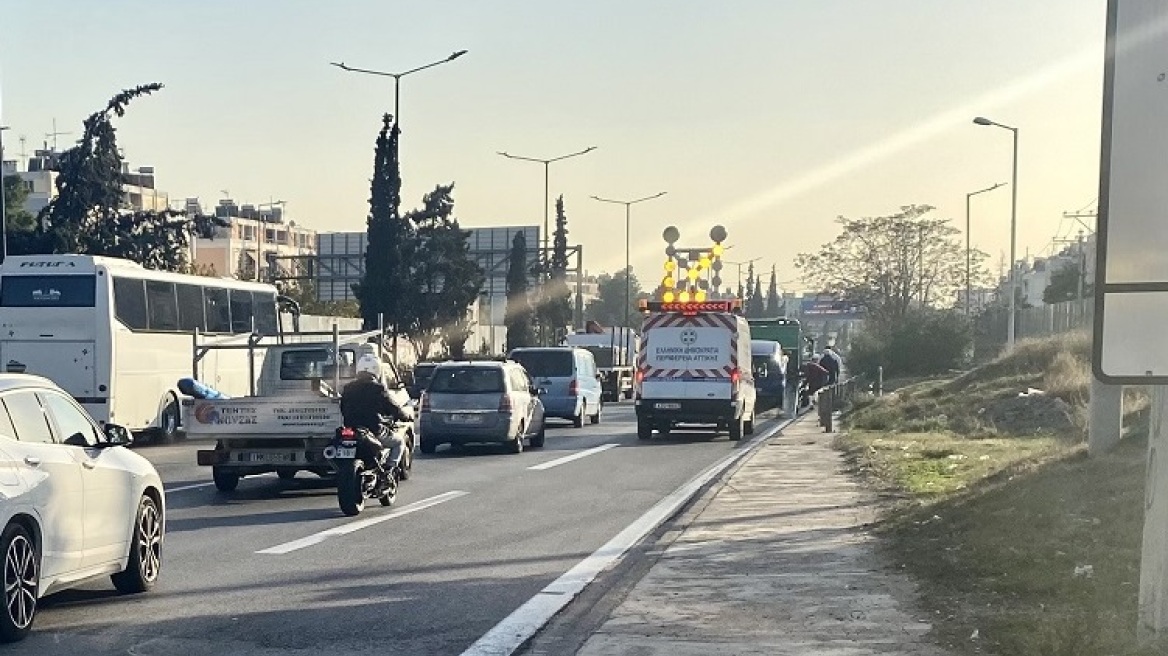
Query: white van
{"type": "Point", "coordinates": [694, 367]}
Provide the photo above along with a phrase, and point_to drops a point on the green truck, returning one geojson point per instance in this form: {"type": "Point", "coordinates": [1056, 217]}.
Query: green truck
{"type": "Point", "coordinates": [789, 334]}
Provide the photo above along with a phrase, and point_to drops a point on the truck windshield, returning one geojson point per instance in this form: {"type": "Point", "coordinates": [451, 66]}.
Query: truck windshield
{"type": "Point", "coordinates": [466, 380]}
{"type": "Point", "coordinates": [545, 364]}
{"type": "Point", "coordinates": [307, 364]}
{"type": "Point", "coordinates": [603, 356]}
{"type": "Point", "coordinates": [48, 291]}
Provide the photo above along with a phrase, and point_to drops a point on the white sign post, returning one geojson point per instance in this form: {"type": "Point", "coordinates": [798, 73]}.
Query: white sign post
{"type": "Point", "coordinates": [1131, 291]}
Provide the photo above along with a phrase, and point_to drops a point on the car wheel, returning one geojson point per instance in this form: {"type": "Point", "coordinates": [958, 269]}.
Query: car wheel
{"type": "Point", "coordinates": [628, 395]}
{"type": "Point", "coordinates": [145, 562]}
{"type": "Point", "coordinates": [538, 439]}
{"type": "Point", "coordinates": [595, 419]}
{"type": "Point", "coordinates": [407, 461]}
{"type": "Point", "coordinates": [749, 427]}
{"type": "Point", "coordinates": [516, 445]}
{"type": "Point", "coordinates": [644, 430]}
{"type": "Point", "coordinates": [578, 419]}
{"type": "Point", "coordinates": [286, 474]}
{"type": "Point", "coordinates": [167, 431]}
{"type": "Point", "coordinates": [427, 448]}
{"type": "Point", "coordinates": [736, 426]}
{"type": "Point", "coordinates": [21, 583]}
{"type": "Point", "coordinates": [226, 480]}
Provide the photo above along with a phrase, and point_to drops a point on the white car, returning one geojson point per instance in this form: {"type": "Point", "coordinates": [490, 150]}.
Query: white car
{"type": "Point", "coordinates": [74, 504]}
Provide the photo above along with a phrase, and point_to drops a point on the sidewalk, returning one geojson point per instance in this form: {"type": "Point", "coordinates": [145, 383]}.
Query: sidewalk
{"type": "Point", "coordinates": [777, 563]}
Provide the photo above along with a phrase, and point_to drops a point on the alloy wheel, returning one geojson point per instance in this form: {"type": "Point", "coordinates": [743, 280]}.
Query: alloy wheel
{"type": "Point", "coordinates": [20, 581]}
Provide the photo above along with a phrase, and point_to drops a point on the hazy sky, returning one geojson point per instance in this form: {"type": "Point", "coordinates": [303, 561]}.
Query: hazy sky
{"type": "Point", "coordinates": [769, 116]}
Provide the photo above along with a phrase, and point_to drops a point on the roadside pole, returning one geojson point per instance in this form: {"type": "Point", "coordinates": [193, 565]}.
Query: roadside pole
{"type": "Point", "coordinates": [1106, 417]}
{"type": "Point", "coordinates": [1153, 614]}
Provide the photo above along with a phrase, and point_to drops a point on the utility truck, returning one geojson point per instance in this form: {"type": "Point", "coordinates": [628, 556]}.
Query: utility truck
{"type": "Point", "coordinates": [292, 411]}
{"type": "Point", "coordinates": [615, 352]}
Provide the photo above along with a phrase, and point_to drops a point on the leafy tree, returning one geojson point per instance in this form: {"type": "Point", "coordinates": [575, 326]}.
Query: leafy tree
{"type": "Point", "coordinates": [15, 194]}
{"type": "Point", "coordinates": [386, 288]}
{"type": "Point", "coordinates": [304, 293]}
{"type": "Point", "coordinates": [922, 342]}
{"type": "Point", "coordinates": [555, 309]}
{"type": "Point", "coordinates": [89, 215]}
{"type": "Point", "coordinates": [755, 307]}
{"type": "Point", "coordinates": [455, 336]}
{"type": "Point", "coordinates": [446, 278]}
{"type": "Point", "coordinates": [774, 304]}
{"type": "Point", "coordinates": [609, 308]}
{"type": "Point", "coordinates": [891, 264]}
{"type": "Point", "coordinates": [519, 315]}
{"type": "Point", "coordinates": [1064, 285]}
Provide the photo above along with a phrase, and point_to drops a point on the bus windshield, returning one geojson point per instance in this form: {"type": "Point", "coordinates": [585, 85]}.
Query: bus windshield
{"type": "Point", "coordinates": [48, 291]}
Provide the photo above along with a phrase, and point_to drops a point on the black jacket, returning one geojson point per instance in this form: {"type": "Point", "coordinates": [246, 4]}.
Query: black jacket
{"type": "Point", "coordinates": [364, 401]}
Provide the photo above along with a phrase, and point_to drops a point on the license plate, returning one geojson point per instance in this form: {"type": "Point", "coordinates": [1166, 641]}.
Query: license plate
{"type": "Point", "coordinates": [464, 419]}
{"type": "Point", "coordinates": [270, 457]}
{"type": "Point", "coordinates": [346, 452]}
{"type": "Point", "coordinates": [667, 406]}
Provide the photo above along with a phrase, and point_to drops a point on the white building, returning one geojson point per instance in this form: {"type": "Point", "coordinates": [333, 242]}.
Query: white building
{"type": "Point", "coordinates": [139, 191]}
{"type": "Point", "coordinates": [252, 243]}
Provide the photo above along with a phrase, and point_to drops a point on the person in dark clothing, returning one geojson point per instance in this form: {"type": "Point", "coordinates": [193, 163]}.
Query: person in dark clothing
{"type": "Point", "coordinates": [833, 363]}
{"type": "Point", "coordinates": [365, 403]}
{"type": "Point", "coordinates": [816, 376]}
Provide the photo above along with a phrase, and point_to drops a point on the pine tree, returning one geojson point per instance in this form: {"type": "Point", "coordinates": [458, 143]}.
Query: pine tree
{"type": "Point", "coordinates": [754, 307]}
{"type": "Point", "coordinates": [89, 215]}
{"type": "Point", "coordinates": [555, 310]}
{"type": "Point", "coordinates": [748, 290]}
{"type": "Point", "coordinates": [386, 288]}
{"type": "Point", "coordinates": [774, 303]}
{"type": "Point", "coordinates": [519, 316]}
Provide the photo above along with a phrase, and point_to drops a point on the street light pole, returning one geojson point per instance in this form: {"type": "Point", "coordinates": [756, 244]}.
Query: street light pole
{"type": "Point", "coordinates": [546, 178]}
{"type": "Point", "coordinates": [628, 222]}
{"type": "Point", "coordinates": [1013, 229]}
{"type": "Point", "coordinates": [397, 78]}
{"type": "Point", "coordinates": [740, 265]}
{"type": "Point", "coordinates": [968, 246]}
{"type": "Point", "coordinates": [3, 202]}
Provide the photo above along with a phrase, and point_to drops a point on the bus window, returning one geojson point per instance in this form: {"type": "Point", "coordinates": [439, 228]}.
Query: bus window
{"type": "Point", "coordinates": [241, 311]}
{"type": "Point", "coordinates": [218, 310]}
{"type": "Point", "coordinates": [48, 291]}
{"type": "Point", "coordinates": [162, 305]}
{"type": "Point", "coordinates": [190, 307]}
{"type": "Point", "coordinates": [265, 313]}
{"type": "Point", "coordinates": [130, 303]}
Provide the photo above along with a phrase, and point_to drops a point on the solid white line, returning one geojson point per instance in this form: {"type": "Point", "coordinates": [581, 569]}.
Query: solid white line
{"type": "Point", "coordinates": [183, 488]}
{"type": "Point", "coordinates": [518, 627]}
{"type": "Point", "coordinates": [345, 529]}
{"type": "Point", "coordinates": [575, 456]}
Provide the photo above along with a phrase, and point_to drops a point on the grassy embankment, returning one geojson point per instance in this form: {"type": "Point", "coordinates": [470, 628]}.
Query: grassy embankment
{"type": "Point", "coordinates": [1020, 543]}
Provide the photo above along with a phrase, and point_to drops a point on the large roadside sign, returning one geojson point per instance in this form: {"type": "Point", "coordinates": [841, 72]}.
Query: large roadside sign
{"type": "Point", "coordinates": [1131, 291]}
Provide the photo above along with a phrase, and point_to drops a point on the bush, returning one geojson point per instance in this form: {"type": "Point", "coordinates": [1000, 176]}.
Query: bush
{"type": "Point", "coordinates": [922, 343]}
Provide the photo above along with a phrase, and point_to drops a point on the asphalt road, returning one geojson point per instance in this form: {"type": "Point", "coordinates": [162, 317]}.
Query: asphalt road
{"type": "Point", "coordinates": [473, 535]}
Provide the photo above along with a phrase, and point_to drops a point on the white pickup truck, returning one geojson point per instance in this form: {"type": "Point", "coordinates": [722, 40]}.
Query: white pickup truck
{"type": "Point", "coordinates": [293, 414]}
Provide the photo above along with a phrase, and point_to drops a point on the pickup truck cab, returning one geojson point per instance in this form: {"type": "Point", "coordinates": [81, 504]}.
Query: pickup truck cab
{"type": "Point", "coordinates": [292, 417]}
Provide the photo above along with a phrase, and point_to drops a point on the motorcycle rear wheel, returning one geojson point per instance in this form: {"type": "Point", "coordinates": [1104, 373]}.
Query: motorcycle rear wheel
{"type": "Point", "coordinates": [350, 496]}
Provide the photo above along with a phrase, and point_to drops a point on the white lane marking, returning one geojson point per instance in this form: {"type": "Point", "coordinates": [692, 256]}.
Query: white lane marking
{"type": "Point", "coordinates": [184, 488]}
{"type": "Point", "coordinates": [518, 627]}
{"type": "Point", "coordinates": [345, 529]}
{"type": "Point", "coordinates": [575, 456]}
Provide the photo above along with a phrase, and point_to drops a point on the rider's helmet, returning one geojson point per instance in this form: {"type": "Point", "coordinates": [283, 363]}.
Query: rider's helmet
{"type": "Point", "coordinates": [369, 365]}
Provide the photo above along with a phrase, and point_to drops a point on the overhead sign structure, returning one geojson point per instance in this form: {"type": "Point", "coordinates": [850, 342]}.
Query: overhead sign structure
{"type": "Point", "coordinates": [1131, 291]}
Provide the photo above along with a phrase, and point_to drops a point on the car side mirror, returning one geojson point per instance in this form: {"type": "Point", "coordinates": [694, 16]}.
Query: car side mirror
{"type": "Point", "coordinates": [118, 435]}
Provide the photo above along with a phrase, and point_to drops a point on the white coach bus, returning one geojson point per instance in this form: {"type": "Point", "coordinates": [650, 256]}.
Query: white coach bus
{"type": "Point", "coordinates": [118, 336]}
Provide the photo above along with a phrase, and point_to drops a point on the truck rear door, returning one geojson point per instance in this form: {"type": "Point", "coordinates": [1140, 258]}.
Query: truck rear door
{"type": "Point", "coordinates": [688, 356]}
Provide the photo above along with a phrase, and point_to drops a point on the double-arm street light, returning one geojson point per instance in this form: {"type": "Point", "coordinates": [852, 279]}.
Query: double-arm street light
{"type": "Point", "coordinates": [968, 246]}
{"type": "Point", "coordinates": [628, 270]}
{"type": "Point", "coordinates": [546, 165]}
{"type": "Point", "coordinates": [1013, 227]}
{"type": "Point", "coordinates": [740, 265]}
{"type": "Point", "coordinates": [397, 77]}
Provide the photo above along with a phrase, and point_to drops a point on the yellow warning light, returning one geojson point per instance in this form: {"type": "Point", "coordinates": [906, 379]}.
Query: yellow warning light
{"type": "Point", "coordinates": [717, 250]}
{"type": "Point", "coordinates": [705, 261]}
{"type": "Point", "coordinates": [700, 296]}
{"type": "Point", "coordinates": [692, 274]}
{"type": "Point", "coordinates": [683, 297]}
{"type": "Point", "coordinates": [667, 297]}
{"type": "Point", "coordinates": [668, 282]}
{"type": "Point", "coordinates": [670, 265]}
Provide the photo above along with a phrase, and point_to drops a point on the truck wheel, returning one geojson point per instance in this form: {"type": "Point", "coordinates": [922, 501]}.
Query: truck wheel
{"type": "Point", "coordinates": [226, 480]}
{"type": "Point", "coordinates": [736, 429]}
{"type": "Point", "coordinates": [350, 496]}
{"type": "Point", "coordinates": [428, 448]}
{"type": "Point", "coordinates": [628, 395]}
{"type": "Point", "coordinates": [644, 430]}
{"type": "Point", "coordinates": [167, 431]}
{"type": "Point", "coordinates": [749, 427]}
{"type": "Point", "coordinates": [286, 473]}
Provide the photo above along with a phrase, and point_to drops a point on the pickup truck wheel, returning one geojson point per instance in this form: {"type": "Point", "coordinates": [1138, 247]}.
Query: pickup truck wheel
{"type": "Point", "coordinates": [286, 474]}
{"type": "Point", "coordinates": [225, 479]}
{"type": "Point", "coordinates": [736, 427]}
{"type": "Point", "coordinates": [644, 430]}
{"type": "Point", "coordinates": [428, 448]}
{"type": "Point", "coordinates": [350, 496]}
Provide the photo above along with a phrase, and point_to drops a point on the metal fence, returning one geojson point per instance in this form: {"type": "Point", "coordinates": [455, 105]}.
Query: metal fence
{"type": "Point", "coordinates": [836, 398]}
{"type": "Point", "coordinates": [1055, 318]}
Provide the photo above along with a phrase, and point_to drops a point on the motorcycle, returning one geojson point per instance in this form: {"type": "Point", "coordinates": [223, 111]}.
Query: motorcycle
{"type": "Point", "coordinates": [359, 476]}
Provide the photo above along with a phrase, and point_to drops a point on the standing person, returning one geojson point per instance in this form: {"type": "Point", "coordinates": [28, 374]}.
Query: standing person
{"type": "Point", "coordinates": [816, 376]}
{"type": "Point", "coordinates": [833, 363]}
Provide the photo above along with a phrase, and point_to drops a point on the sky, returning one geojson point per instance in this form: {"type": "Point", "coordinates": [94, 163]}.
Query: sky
{"type": "Point", "coordinates": [770, 117]}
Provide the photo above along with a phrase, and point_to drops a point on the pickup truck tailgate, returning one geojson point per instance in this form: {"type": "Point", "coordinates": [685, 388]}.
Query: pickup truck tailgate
{"type": "Point", "coordinates": [252, 417]}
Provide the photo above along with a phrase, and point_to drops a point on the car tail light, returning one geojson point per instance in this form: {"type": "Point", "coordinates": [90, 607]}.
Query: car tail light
{"type": "Point", "coordinates": [505, 403]}
{"type": "Point", "coordinates": [573, 387]}
{"type": "Point", "coordinates": [640, 377]}
{"type": "Point", "coordinates": [735, 376]}
{"type": "Point", "coordinates": [425, 405]}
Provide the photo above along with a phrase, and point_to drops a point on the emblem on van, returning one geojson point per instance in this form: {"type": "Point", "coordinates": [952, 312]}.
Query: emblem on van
{"type": "Point", "coordinates": [689, 336]}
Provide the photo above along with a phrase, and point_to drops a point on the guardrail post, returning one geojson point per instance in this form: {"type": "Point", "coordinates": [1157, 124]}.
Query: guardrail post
{"type": "Point", "coordinates": [880, 380]}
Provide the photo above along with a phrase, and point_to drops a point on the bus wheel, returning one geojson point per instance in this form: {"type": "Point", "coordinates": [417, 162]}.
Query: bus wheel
{"type": "Point", "coordinates": [167, 430]}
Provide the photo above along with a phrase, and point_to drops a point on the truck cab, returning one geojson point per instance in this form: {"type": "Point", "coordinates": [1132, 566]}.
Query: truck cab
{"type": "Point", "coordinates": [694, 368]}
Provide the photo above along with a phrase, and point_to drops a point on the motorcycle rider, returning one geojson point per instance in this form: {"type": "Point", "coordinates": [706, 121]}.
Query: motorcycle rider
{"type": "Point", "coordinates": [364, 401]}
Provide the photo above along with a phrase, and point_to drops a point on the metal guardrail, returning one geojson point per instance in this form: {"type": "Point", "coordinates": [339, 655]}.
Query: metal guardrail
{"type": "Point", "coordinates": [835, 398]}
